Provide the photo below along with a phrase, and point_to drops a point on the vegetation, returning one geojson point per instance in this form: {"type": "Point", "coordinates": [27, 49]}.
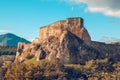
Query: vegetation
{"type": "Point", "coordinates": [31, 69]}
{"type": "Point", "coordinates": [54, 70]}
{"type": "Point", "coordinates": [5, 62]}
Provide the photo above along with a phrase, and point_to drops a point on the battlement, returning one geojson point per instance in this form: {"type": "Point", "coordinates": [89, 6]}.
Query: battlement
{"type": "Point", "coordinates": [75, 21]}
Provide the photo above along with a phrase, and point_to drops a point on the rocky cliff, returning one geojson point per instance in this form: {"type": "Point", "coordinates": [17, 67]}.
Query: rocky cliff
{"type": "Point", "coordinates": [67, 40]}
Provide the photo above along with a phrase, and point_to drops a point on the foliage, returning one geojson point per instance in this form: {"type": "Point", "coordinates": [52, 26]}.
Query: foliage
{"type": "Point", "coordinates": [54, 70]}
{"type": "Point", "coordinates": [35, 70]}
{"type": "Point", "coordinates": [5, 62]}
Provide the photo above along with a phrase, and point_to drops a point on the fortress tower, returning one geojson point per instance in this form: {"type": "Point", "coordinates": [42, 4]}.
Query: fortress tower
{"type": "Point", "coordinates": [74, 25]}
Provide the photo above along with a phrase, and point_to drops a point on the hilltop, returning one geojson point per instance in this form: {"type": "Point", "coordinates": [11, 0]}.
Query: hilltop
{"type": "Point", "coordinates": [69, 41]}
{"type": "Point", "coordinates": [10, 39]}
{"type": "Point", "coordinates": [64, 51]}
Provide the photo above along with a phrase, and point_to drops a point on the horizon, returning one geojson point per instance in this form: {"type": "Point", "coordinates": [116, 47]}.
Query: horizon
{"type": "Point", "coordinates": [24, 18]}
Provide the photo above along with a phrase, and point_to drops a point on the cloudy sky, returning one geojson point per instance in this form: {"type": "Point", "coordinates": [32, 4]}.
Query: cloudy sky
{"type": "Point", "coordinates": [25, 17]}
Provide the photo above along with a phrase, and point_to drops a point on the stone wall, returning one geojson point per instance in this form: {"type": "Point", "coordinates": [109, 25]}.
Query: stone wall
{"type": "Point", "coordinates": [74, 25]}
{"type": "Point", "coordinates": [60, 40]}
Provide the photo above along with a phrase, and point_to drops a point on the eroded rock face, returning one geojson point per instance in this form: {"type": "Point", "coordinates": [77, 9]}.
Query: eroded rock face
{"type": "Point", "coordinates": [65, 40]}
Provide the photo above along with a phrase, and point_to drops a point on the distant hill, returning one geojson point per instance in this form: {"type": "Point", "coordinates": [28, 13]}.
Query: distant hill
{"type": "Point", "coordinates": [109, 40]}
{"type": "Point", "coordinates": [10, 39]}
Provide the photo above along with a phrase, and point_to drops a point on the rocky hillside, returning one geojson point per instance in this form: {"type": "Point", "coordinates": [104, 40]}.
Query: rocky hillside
{"type": "Point", "coordinates": [64, 40]}
{"type": "Point", "coordinates": [5, 61]}
{"type": "Point", "coordinates": [64, 51]}
{"type": "Point", "coordinates": [67, 40]}
{"type": "Point", "coordinates": [10, 39]}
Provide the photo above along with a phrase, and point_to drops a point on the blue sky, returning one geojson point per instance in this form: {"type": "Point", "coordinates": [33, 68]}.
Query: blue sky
{"type": "Point", "coordinates": [25, 17]}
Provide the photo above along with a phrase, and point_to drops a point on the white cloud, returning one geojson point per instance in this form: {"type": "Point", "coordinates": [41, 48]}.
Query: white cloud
{"type": "Point", "coordinates": [105, 11]}
{"type": "Point", "coordinates": [109, 39]}
{"type": "Point", "coordinates": [3, 31]}
{"type": "Point", "coordinates": [107, 7]}
{"type": "Point", "coordinates": [28, 38]}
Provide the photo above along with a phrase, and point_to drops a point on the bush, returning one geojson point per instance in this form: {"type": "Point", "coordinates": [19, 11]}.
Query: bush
{"type": "Point", "coordinates": [44, 70]}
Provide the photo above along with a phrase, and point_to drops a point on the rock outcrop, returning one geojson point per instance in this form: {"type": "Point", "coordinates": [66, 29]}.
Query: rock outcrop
{"type": "Point", "coordinates": [67, 40]}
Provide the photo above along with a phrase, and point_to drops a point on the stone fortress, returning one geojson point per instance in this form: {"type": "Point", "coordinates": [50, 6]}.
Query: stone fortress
{"type": "Point", "coordinates": [57, 40]}
{"type": "Point", "coordinates": [66, 40]}
{"type": "Point", "coordinates": [74, 25]}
